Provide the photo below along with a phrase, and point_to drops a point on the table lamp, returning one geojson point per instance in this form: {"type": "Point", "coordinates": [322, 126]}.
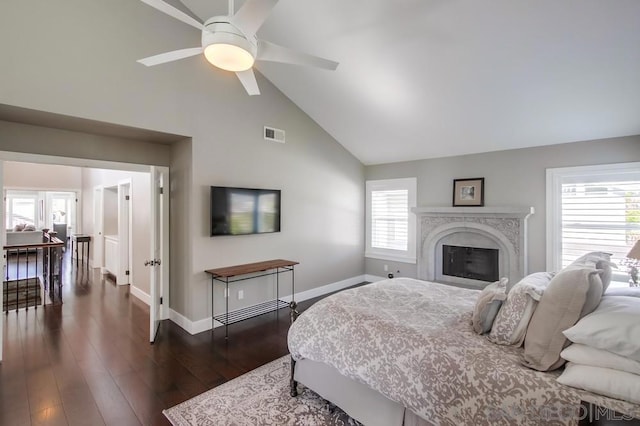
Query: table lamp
{"type": "Point", "coordinates": [633, 261]}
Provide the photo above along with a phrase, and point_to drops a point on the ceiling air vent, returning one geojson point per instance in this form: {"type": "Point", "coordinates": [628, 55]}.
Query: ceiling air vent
{"type": "Point", "coordinates": [275, 135]}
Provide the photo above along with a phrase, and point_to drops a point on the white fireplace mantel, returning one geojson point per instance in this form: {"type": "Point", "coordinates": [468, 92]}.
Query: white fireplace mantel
{"type": "Point", "coordinates": [500, 227]}
{"type": "Point", "coordinates": [504, 211]}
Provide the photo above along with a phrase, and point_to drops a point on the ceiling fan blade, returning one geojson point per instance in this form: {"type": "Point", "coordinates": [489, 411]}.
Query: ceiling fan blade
{"type": "Point", "coordinates": [174, 13]}
{"type": "Point", "coordinates": [268, 51]}
{"type": "Point", "coordinates": [252, 15]}
{"type": "Point", "coordinates": [248, 80]}
{"type": "Point", "coordinates": [170, 56]}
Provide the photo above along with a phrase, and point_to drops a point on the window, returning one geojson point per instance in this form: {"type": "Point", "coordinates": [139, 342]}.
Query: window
{"type": "Point", "coordinates": [593, 208]}
{"type": "Point", "coordinates": [21, 209]}
{"type": "Point", "coordinates": [391, 226]}
{"type": "Point", "coordinates": [60, 208]}
{"type": "Point", "coordinates": [42, 209]}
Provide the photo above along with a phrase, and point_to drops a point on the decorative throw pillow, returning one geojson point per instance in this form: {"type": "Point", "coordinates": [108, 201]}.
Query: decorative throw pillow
{"type": "Point", "coordinates": [586, 355]}
{"type": "Point", "coordinates": [29, 228]}
{"type": "Point", "coordinates": [510, 325]}
{"type": "Point", "coordinates": [603, 381]}
{"type": "Point", "coordinates": [613, 327]}
{"type": "Point", "coordinates": [597, 260]}
{"type": "Point", "coordinates": [560, 307]}
{"type": "Point", "coordinates": [19, 227]}
{"type": "Point", "coordinates": [488, 305]}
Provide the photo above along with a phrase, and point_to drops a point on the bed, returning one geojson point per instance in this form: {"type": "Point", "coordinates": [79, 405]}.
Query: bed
{"type": "Point", "coordinates": [403, 352]}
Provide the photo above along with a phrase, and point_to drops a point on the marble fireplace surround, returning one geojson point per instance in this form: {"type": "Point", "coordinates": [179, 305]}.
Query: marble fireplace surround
{"type": "Point", "coordinates": [502, 228]}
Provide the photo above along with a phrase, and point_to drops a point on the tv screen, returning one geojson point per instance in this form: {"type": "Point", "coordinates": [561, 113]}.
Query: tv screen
{"type": "Point", "coordinates": [242, 211]}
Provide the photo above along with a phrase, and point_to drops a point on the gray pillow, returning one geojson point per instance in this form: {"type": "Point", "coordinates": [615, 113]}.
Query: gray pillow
{"type": "Point", "coordinates": [488, 305]}
{"type": "Point", "coordinates": [571, 294]}
{"type": "Point", "coordinates": [597, 260]}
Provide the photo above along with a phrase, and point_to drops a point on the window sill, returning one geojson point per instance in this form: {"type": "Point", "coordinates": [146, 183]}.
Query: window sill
{"type": "Point", "coordinates": [390, 257]}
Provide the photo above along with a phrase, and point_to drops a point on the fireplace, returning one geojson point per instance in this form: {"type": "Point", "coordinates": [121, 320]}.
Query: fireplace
{"type": "Point", "coordinates": [501, 230]}
{"type": "Point", "coordinates": [470, 262]}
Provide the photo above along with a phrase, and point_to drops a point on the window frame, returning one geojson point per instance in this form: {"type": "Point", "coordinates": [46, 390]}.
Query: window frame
{"type": "Point", "coordinates": [578, 174]}
{"type": "Point", "coordinates": [11, 195]}
{"type": "Point", "coordinates": [405, 256]}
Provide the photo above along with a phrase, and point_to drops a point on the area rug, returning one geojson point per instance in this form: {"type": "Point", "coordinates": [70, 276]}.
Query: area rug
{"type": "Point", "coordinates": [260, 397]}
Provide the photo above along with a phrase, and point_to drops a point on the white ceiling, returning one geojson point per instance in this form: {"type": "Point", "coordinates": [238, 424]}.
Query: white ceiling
{"type": "Point", "coordinates": [431, 78]}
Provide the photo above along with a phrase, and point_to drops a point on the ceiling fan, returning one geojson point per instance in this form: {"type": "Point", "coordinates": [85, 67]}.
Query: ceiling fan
{"type": "Point", "coordinates": [230, 42]}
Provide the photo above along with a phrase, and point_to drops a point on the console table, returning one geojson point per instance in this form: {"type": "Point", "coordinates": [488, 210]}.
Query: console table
{"type": "Point", "coordinates": [232, 274]}
{"type": "Point", "coordinates": [78, 239]}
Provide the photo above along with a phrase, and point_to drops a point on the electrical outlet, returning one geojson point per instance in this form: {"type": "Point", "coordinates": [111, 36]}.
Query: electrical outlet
{"type": "Point", "coordinates": [240, 294]}
{"type": "Point", "coordinates": [386, 268]}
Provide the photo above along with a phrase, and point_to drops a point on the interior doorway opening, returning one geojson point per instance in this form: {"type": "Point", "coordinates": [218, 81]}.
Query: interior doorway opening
{"type": "Point", "coordinates": [50, 204]}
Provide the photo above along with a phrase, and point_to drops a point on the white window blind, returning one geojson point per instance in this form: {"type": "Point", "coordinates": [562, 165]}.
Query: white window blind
{"type": "Point", "coordinates": [600, 216]}
{"type": "Point", "coordinates": [390, 219]}
{"type": "Point", "coordinates": [391, 225]}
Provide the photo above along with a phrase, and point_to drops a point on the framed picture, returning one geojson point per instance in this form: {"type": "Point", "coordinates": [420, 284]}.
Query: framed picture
{"type": "Point", "coordinates": [468, 192]}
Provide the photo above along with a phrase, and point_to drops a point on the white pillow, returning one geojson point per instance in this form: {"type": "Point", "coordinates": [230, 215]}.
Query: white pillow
{"type": "Point", "coordinates": [614, 326]}
{"type": "Point", "coordinates": [623, 291]}
{"type": "Point", "coordinates": [586, 355]}
{"type": "Point", "coordinates": [603, 381]}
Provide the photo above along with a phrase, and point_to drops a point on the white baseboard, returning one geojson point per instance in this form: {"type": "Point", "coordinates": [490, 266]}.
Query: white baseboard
{"type": "Point", "coordinates": [373, 278]}
{"type": "Point", "coordinates": [140, 294]}
{"type": "Point", "coordinates": [329, 288]}
{"type": "Point", "coordinates": [191, 327]}
{"type": "Point", "coordinates": [195, 327]}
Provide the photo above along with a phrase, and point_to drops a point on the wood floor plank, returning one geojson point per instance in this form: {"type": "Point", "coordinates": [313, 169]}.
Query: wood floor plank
{"type": "Point", "coordinates": [111, 402]}
{"type": "Point", "coordinates": [42, 390]}
{"type": "Point", "coordinates": [50, 416]}
{"type": "Point", "coordinates": [80, 407]}
{"type": "Point", "coordinates": [143, 400]}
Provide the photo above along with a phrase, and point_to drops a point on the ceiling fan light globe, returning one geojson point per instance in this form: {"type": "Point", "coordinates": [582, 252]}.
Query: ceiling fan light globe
{"type": "Point", "coordinates": [229, 57]}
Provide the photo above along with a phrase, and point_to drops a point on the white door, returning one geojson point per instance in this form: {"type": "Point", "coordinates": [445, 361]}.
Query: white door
{"type": "Point", "coordinates": [3, 236]}
{"type": "Point", "coordinates": [98, 225]}
{"type": "Point", "coordinates": [159, 255]}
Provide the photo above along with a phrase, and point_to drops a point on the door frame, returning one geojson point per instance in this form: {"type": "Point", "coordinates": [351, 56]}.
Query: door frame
{"type": "Point", "coordinates": [3, 262]}
{"type": "Point", "coordinates": [88, 163]}
{"type": "Point", "coordinates": [125, 226]}
{"type": "Point", "coordinates": [159, 283]}
{"type": "Point", "coordinates": [97, 261]}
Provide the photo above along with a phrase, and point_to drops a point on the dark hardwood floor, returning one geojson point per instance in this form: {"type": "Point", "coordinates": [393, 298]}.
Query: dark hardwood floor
{"type": "Point", "coordinates": [89, 362]}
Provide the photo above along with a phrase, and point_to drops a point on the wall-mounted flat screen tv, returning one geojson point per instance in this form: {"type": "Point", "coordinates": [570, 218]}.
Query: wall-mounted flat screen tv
{"type": "Point", "coordinates": [242, 211]}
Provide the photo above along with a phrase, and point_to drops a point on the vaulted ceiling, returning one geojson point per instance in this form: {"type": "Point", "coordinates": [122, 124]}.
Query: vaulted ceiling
{"type": "Point", "coordinates": [430, 78]}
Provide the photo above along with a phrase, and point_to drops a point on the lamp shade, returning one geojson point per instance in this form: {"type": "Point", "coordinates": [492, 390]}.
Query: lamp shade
{"type": "Point", "coordinates": [634, 253]}
{"type": "Point", "coordinates": [226, 47]}
{"type": "Point", "coordinates": [229, 57]}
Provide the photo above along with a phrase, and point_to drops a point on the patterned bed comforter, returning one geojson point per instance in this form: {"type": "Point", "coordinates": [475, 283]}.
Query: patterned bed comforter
{"type": "Point", "coordinates": [412, 341]}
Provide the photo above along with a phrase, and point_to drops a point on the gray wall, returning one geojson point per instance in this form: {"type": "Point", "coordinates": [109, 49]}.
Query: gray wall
{"type": "Point", "coordinates": [17, 137]}
{"type": "Point", "coordinates": [512, 178]}
{"type": "Point", "coordinates": [43, 177]}
{"type": "Point", "coordinates": [88, 70]}
{"type": "Point", "coordinates": [180, 212]}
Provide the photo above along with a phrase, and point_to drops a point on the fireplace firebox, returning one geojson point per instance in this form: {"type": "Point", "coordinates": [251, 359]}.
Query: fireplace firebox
{"type": "Point", "coordinates": [470, 262]}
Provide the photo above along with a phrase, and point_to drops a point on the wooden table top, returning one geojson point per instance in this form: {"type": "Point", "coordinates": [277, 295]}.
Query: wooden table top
{"type": "Point", "coordinates": [249, 268]}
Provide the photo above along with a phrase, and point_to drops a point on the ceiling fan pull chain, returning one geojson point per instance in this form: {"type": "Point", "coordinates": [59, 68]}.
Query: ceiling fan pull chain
{"type": "Point", "coordinates": [232, 8]}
